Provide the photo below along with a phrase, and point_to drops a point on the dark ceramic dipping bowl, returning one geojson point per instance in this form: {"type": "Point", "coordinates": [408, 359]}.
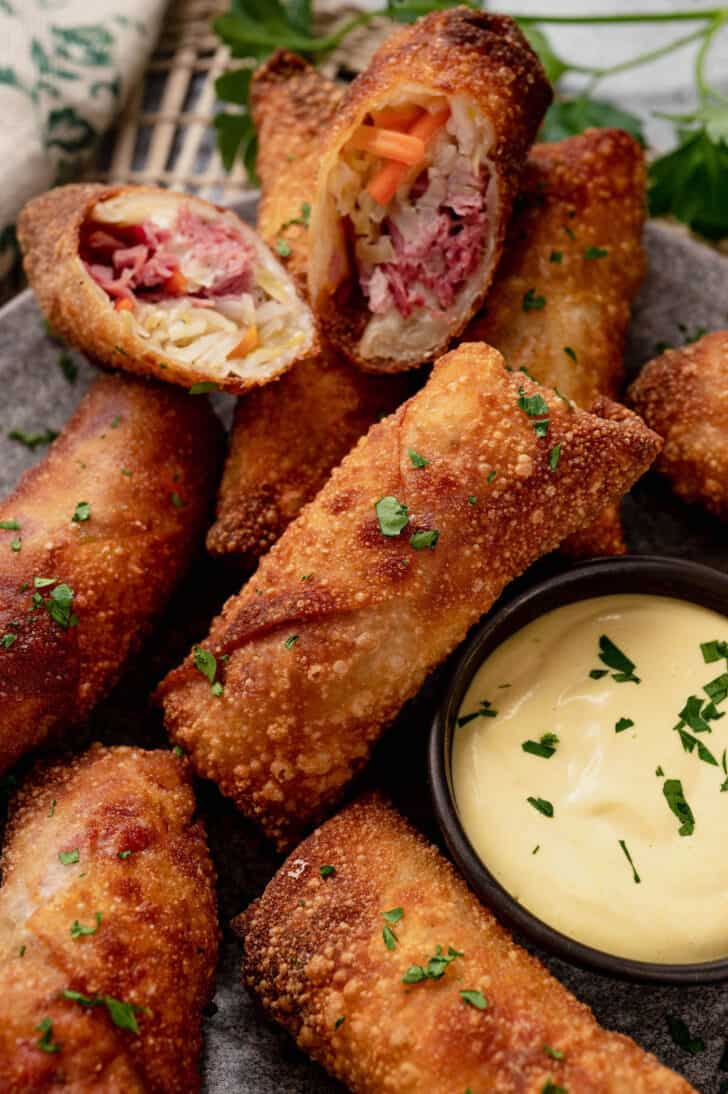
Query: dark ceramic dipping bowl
{"type": "Point", "coordinates": [637, 574]}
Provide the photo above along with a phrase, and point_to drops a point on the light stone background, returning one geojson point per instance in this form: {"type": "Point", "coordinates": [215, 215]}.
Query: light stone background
{"type": "Point", "coordinates": [688, 284]}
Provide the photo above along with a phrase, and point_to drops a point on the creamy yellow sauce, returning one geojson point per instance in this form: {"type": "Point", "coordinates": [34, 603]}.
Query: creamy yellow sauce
{"type": "Point", "coordinates": [604, 786]}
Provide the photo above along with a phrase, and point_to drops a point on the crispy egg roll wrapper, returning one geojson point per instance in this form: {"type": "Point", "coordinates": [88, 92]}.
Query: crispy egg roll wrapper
{"type": "Point", "coordinates": [144, 457]}
{"type": "Point", "coordinates": [481, 66]}
{"type": "Point", "coordinates": [204, 285]}
{"type": "Point", "coordinates": [340, 624]}
{"type": "Point", "coordinates": [286, 437]}
{"type": "Point", "coordinates": [683, 396]}
{"type": "Point", "coordinates": [576, 195]}
{"type": "Point", "coordinates": [315, 958]}
{"type": "Point", "coordinates": [153, 947]}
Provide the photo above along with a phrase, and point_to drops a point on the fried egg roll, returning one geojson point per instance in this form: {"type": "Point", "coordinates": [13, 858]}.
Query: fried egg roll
{"type": "Point", "coordinates": [92, 542]}
{"type": "Point", "coordinates": [286, 437]}
{"type": "Point", "coordinates": [416, 185]}
{"type": "Point", "coordinates": [573, 262]}
{"type": "Point", "coordinates": [683, 396]}
{"type": "Point", "coordinates": [163, 284]}
{"type": "Point", "coordinates": [108, 928]}
{"type": "Point", "coordinates": [335, 947]}
{"type": "Point", "coordinates": [413, 537]}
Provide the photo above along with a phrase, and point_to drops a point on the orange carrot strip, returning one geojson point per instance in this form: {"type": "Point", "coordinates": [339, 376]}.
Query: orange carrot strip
{"type": "Point", "coordinates": [388, 144]}
{"type": "Point", "coordinates": [176, 284]}
{"type": "Point", "coordinates": [123, 303]}
{"type": "Point", "coordinates": [383, 185]}
{"type": "Point", "coordinates": [247, 343]}
{"type": "Point", "coordinates": [396, 117]}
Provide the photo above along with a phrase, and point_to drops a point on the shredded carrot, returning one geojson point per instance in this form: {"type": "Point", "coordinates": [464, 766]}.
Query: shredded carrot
{"type": "Point", "coordinates": [396, 117]}
{"type": "Point", "coordinates": [123, 303]}
{"type": "Point", "coordinates": [388, 144]}
{"type": "Point", "coordinates": [247, 343]}
{"type": "Point", "coordinates": [176, 284]}
{"type": "Point", "coordinates": [383, 185]}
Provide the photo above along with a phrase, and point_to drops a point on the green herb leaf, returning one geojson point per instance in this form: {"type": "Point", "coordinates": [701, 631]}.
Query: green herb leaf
{"type": "Point", "coordinates": [176, 500]}
{"type": "Point", "coordinates": [391, 516]}
{"type": "Point", "coordinates": [673, 791]}
{"type": "Point", "coordinates": [415, 459]}
{"type": "Point", "coordinates": [234, 87]}
{"type": "Point", "coordinates": [570, 353]}
{"type": "Point", "coordinates": [68, 366]}
{"type": "Point", "coordinates": [689, 743]}
{"type": "Point", "coordinates": [291, 641]}
{"type": "Point", "coordinates": [424, 539]}
{"type": "Point", "coordinates": [78, 930]}
{"type": "Point", "coordinates": [236, 138]}
{"type": "Point", "coordinates": [7, 640]}
{"type": "Point", "coordinates": [327, 871]}
{"type": "Point", "coordinates": [635, 876]}
{"type": "Point", "coordinates": [339, 1022]}
{"type": "Point", "coordinates": [566, 117]}
{"type": "Point", "coordinates": [544, 748]}
{"type": "Point", "coordinates": [60, 604]}
{"type": "Point", "coordinates": [82, 512]}
{"type": "Point", "coordinates": [491, 476]}
{"type": "Point", "coordinates": [550, 1087]}
{"type": "Point", "coordinates": [203, 387]}
{"type": "Point", "coordinates": [717, 690]}
{"type": "Point", "coordinates": [205, 662]}
{"type": "Point", "coordinates": [711, 651]}
{"type": "Point", "coordinates": [614, 658]}
{"type": "Point", "coordinates": [554, 66]}
{"type": "Point", "coordinates": [597, 674]}
{"type": "Point", "coordinates": [554, 1053]}
{"type": "Point", "coordinates": [124, 854]}
{"type": "Point", "coordinates": [10, 525]}
{"type": "Point", "coordinates": [682, 1036]}
{"type": "Point", "coordinates": [394, 915]}
{"type": "Point", "coordinates": [390, 938]}
{"type": "Point", "coordinates": [532, 302]}
{"type": "Point", "coordinates": [690, 715]}
{"type": "Point", "coordinates": [689, 183]}
{"type": "Point", "coordinates": [68, 858]}
{"type": "Point", "coordinates": [533, 405]}
{"type": "Point", "coordinates": [622, 724]}
{"type": "Point", "coordinates": [283, 248]}
{"type": "Point", "coordinates": [554, 457]}
{"type": "Point", "coordinates": [45, 1042]}
{"type": "Point", "coordinates": [592, 252]}
{"type": "Point", "coordinates": [556, 256]}
{"type": "Point", "coordinates": [472, 500]}
{"type": "Point", "coordinates": [474, 999]}
{"type": "Point", "coordinates": [542, 806]}
{"type": "Point", "coordinates": [32, 440]}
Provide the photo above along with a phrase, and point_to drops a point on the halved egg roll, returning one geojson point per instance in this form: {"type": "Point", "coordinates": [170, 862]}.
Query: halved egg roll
{"type": "Point", "coordinates": [573, 262]}
{"type": "Point", "coordinates": [413, 537]}
{"type": "Point", "coordinates": [92, 542]}
{"type": "Point", "coordinates": [108, 928]}
{"type": "Point", "coordinates": [286, 437]}
{"type": "Point", "coordinates": [416, 185]}
{"type": "Point", "coordinates": [163, 284]}
{"type": "Point", "coordinates": [683, 396]}
{"type": "Point", "coordinates": [342, 949]}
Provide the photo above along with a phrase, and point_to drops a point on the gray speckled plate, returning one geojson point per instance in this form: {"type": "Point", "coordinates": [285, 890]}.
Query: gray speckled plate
{"type": "Point", "coordinates": [687, 289]}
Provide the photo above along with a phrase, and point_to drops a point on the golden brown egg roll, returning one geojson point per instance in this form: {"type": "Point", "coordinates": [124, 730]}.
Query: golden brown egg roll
{"type": "Point", "coordinates": [92, 542]}
{"type": "Point", "coordinates": [163, 284]}
{"type": "Point", "coordinates": [572, 264]}
{"type": "Point", "coordinates": [488, 1018]}
{"type": "Point", "coordinates": [683, 396]}
{"type": "Point", "coordinates": [413, 537]}
{"type": "Point", "coordinates": [108, 928]}
{"type": "Point", "coordinates": [418, 176]}
{"type": "Point", "coordinates": [286, 437]}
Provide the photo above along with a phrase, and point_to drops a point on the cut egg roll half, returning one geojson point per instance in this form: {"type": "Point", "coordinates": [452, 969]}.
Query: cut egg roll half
{"type": "Point", "coordinates": [416, 186]}
{"type": "Point", "coordinates": [163, 284]}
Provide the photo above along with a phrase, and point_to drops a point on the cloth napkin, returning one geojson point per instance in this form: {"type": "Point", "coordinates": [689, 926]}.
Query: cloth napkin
{"type": "Point", "coordinates": [66, 67]}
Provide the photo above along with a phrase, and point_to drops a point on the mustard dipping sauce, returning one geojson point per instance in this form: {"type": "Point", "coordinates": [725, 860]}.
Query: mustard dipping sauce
{"type": "Point", "coordinates": [605, 781]}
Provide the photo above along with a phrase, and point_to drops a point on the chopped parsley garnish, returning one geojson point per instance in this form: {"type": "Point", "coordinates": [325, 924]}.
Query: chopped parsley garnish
{"type": "Point", "coordinates": [682, 1036]}
{"type": "Point", "coordinates": [550, 1087]}
{"type": "Point", "coordinates": [435, 967]}
{"type": "Point", "coordinates": [43, 582]}
{"type": "Point", "coordinates": [283, 248]}
{"type": "Point", "coordinates": [122, 1014]}
{"type": "Point", "coordinates": [416, 459]}
{"type": "Point", "coordinates": [568, 231]}
{"type": "Point", "coordinates": [206, 663]}
{"type": "Point", "coordinates": [711, 651]}
{"type": "Point", "coordinates": [541, 806]}
{"type": "Point", "coordinates": [77, 929]}
{"type": "Point", "coordinates": [45, 1042]}
{"type": "Point", "coordinates": [554, 1053]}
{"type": "Point", "coordinates": [327, 870]}
{"type": "Point", "coordinates": [7, 640]}
{"type": "Point", "coordinates": [554, 457]}
{"type": "Point", "coordinates": [597, 674]}
{"type": "Point", "coordinates": [125, 471]}
{"type": "Point", "coordinates": [176, 500]}
{"type": "Point", "coordinates": [177, 751]}
{"type": "Point", "coordinates": [595, 252]}
{"type": "Point", "coordinates": [391, 515]}
{"type": "Point", "coordinates": [532, 302]}
{"type": "Point", "coordinates": [491, 476]}
{"type": "Point", "coordinates": [536, 849]}
{"type": "Point", "coordinates": [533, 405]}
{"type": "Point", "coordinates": [659, 772]}
{"type": "Point", "coordinates": [68, 858]}
{"type": "Point", "coordinates": [16, 545]}
{"type": "Point", "coordinates": [690, 715]}
{"type": "Point", "coordinates": [545, 747]}
{"type": "Point", "coordinates": [32, 440]}
{"type": "Point", "coordinates": [717, 690]}
{"type": "Point", "coordinates": [556, 256]}
{"type": "Point", "coordinates": [390, 938]}
{"type": "Point", "coordinates": [474, 999]}
{"type": "Point", "coordinates": [486, 711]}
{"type": "Point", "coordinates": [635, 876]}
{"type": "Point", "coordinates": [424, 539]}
{"type": "Point", "coordinates": [302, 219]}
{"type": "Point", "coordinates": [21, 951]}
{"type": "Point", "coordinates": [82, 512]}
{"type": "Point", "coordinates": [690, 743]}
{"type": "Point", "coordinates": [116, 421]}
{"type": "Point", "coordinates": [52, 808]}
{"type": "Point", "coordinates": [59, 605]}
{"type": "Point", "coordinates": [394, 915]}
{"type": "Point", "coordinates": [541, 427]}
{"type": "Point", "coordinates": [570, 353]}
{"type": "Point", "coordinates": [472, 500]}
{"type": "Point", "coordinates": [673, 791]}
{"type": "Point", "coordinates": [68, 366]}
{"type": "Point", "coordinates": [291, 641]}
{"type": "Point", "coordinates": [622, 724]}
{"type": "Point", "coordinates": [339, 1022]}
{"type": "Point", "coordinates": [10, 525]}
{"type": "Point", "coordinates": [615, 659]}
{"type": "Point", "coordinates": [124, 854]}
{"type": "Point", "coordinates": [203, 387]}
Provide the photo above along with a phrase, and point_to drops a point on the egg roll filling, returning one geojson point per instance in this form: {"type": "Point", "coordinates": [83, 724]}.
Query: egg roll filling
{"type": "Point", "coordinates": [415, 196]}
{"type": "Point", "coordinates": [193, 283]}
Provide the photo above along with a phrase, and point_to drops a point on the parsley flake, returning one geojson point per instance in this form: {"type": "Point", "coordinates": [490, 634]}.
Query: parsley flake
{"type": "Point", "coordinates": [541, 806]}
{"type": "Point", "coordinates": [7, 640]}
{"type": "Point", "coordinates": [544, 748]}
{"type": "Point", "coordinates": [122, 1014]}
{"type": "Point", "coordinates": [52, 808]}
{"type": "Point", "coordinates": [491, 476]}
{"type": "Point", "coordinates": [615, 659]}
{"type": "Point", "coordinates": [474, 999]}
{"type": "Point", "coordinates": [203, 387]}
{"type": "Point", "coordinates": [392, 515]}
{"type": "Point", "coordinates": [711, 651]}
{"type": "Point", "coordinates": [556, 256]}
{"type": "Point", "coordinates": [554, 457]}
{"type": "Point", "coordinates": [82, 512]}
{"type": "Point", "coordinates": [327, 870]}
{"type": "Point", "coordinates": [68, 858]}
{"type": "Point", "coordinates": [16, 544]}
{"type": "Point", "coordinates": [554, 1053]}
{"type": "Point", "coordinates": [291, 641]}
{"type": "Point", "coordinates": [32, 440]}
{"type": "Point", "coordinates": [595, 252]}
{"type": "Point", "coordinates": [423, 539]}
{"type": "Point", "coordinates": [416, 459]}
{"type": "Point", "coordinates": [486, 711]}
{"type": "Point", "coordinates": [435, 967]}
{"type": "Point", "coordinates": [339, 1022]}
{"type": "Point", "coordinates": [682, 1036]}
{"type": "Point", "coordinates": [533, 405]}
{"type": "Point", "coordinates": [45, 1042]}
{"type": "Point", "coordinates": [673, 791]}
{"type": "Point", "coordinates": [283, 248]}
{"type": "Point", "coordinates": [635, 876]}
{"type": "Point", "coordinates": [472, 500]}
{"type": "Point", "coordinates": [78, 930]}
{"type": "Point", "coordinates": [68, 366]}
{"type": "Point", "coordinates": [205, 663]}
{"type": "Point", "coordinates": [532, 302]}
{"type": "Point", "coordinates": [10, 525]}
{"type": "Point", "coordinates": [176, 500]}
{"type": "Point", "coordinates": [124, 854]}
{"type": "Point", "coordinates": [550, 1087]}
{"type": "Point", "coordinates": [390, 938]}
{"type": "Point", "coordinates": [570, 353]}
{"type": "Point", "coordinates": [622, 724]}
